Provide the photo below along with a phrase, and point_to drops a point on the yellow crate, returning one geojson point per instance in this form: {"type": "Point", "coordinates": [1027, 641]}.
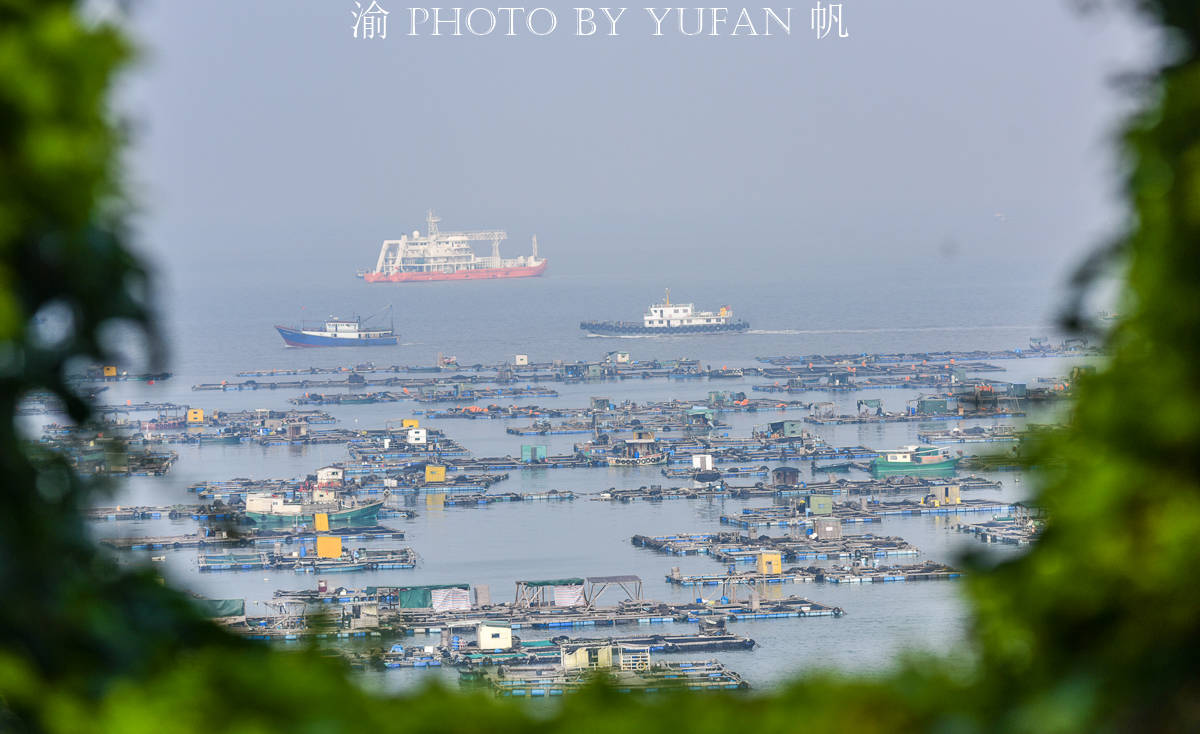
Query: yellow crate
{"type": "Point", "coordinates": [770, 563]}
{"type": "Point", "coordinates": [329, 546]}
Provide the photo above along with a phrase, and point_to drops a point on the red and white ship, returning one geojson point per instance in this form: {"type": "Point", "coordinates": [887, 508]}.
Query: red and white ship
{"type": "Point", "coordinates": [448, 256]}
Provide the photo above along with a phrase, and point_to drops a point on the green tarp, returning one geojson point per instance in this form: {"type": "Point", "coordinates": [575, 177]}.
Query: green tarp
{"type": "Point", "coordinates": [820, 504]}
{"type": "Point", "coordinates": [555, 582]}
{"type": "Point", "coordinates": [223, 607]}
{"type": "Point", "coordinates": [533, 452]}
{"type": "Point", "coordinates": [932, 406]}
{"type": "Point", "coordinates": [416, 597]}
{"type": "Point", "coordinates": [372, 590]}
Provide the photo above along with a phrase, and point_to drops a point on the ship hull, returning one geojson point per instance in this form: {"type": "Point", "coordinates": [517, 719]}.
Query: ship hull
{"type": "Point", "coordinates": [883, 468]}
{"type": "Point", "coordinates": [472, 274]}
{"type": "Point", "coordinates": [630, 328]}
{"type": "Point", "coordinates": [296, 338]}
{"type": "Point", "coordinates": [362, 513]}
{"type": "Point", "coordinates": [647, 460]}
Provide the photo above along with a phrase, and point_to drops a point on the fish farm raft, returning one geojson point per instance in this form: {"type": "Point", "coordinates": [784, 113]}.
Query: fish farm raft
{"type": "Point", "coordinates": [343, 504]}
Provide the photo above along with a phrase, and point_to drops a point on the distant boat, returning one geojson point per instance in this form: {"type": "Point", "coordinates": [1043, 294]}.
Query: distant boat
{"type": "Point", "coordinates": [338, 333]}
{"type": "Point", "coordinates": [265, 509]}
{"type": "Point", "coordinates": [641, 450]}
{"type": "Point", "coordinates": [448, 256]}
{"type": "Point", "coordinates": [668, 318]}
{"type": "Point", "coordinates": [928, 461]}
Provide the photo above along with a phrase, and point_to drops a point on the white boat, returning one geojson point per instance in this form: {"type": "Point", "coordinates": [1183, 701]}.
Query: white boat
{"type": "Point", "coordinates": [670, 318]}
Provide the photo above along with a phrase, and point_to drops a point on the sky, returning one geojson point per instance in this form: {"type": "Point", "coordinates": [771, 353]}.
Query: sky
{"type": "Point", "coordinates": [939, 134]}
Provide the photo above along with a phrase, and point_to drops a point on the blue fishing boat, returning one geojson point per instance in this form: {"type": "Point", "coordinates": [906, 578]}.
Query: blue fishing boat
{"type": "Point", "coordinates": [336, 332]}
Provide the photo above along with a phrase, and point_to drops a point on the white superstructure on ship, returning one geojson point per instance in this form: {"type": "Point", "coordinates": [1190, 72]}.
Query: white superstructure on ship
{"type": "Point", "coordinates": [683, 314]}
{"type": "Point", "coordinates": [670, 318]}
{"type": "Point", "coordinates": [448, 256]}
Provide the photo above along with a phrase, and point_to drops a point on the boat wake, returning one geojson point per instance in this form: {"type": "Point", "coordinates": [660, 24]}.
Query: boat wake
{"type": "Point", "coordinates": [898, 329]}
{"type": "Point", "coordinates": [637, 336]}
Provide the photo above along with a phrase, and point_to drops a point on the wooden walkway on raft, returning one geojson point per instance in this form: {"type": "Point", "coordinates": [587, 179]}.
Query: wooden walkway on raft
{"type": "Point", "coordinates": [888, 485]}
{"type": "Point", "coordinates": [360, 559]}
{"type": "Point", "coordinates": [562, 368]}
{"type": "Point", "coordinates": [635, 613]}
{"type": "Point", "coordinates": [535, 681]}
{"type": "Point", "coordinates": [550, 651]}
{"type": "Point", "coordinates": [735, 548]}
{"type": "Point", "coordinates": [413, 622]}
{"type": "Point", "coordinates": [846, 420]}
{"type": "Point", "coordinates": [872, 512]}
{"type": "Point", "coordinates": [143, 512]}
{"type": "Point", "coordinates": [1004, 530]}
{"type": "Point", "coordinates": [928, 571]}
{"type": "Point", "coordinates": [449, 396]}
{"type": "Point", "coordinates": [249, 538]}
{"type": "Point", "coordinates": [975, 434]}
{"type": "Point", "coordinates": [481, 500]}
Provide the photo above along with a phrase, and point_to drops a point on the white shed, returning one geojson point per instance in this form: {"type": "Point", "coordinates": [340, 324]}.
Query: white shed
{"type": "Point", "coordinates": [491, 636]}
{"type": "Point", "coordinates": [328, 475]}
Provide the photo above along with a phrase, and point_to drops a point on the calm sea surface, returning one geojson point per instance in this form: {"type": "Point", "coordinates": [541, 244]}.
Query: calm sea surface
{"type": "Point", "coordinates": [220, 324]}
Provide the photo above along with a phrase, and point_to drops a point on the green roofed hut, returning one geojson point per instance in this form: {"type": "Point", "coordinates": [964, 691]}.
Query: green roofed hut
{"type": "Point", "coordinates": [575, 592]}
{"type": "Point", "coordinates": [564, 592]}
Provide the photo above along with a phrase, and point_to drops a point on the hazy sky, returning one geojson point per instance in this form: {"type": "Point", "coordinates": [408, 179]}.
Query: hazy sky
{"type": "Point", "coordinates": [267, 136]}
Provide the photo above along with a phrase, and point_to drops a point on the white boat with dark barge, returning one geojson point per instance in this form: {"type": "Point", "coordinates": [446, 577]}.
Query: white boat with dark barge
{"type": "Point", "coordinates": [641, 450]}
{"type": "Point", "coordinates": [670, 319]}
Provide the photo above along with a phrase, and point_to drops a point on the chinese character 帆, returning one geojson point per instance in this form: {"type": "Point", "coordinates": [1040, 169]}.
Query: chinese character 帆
{"type": "Point", "coordinates": [369, 22]}
{"type": "Point", "coordinates": [827, 17]}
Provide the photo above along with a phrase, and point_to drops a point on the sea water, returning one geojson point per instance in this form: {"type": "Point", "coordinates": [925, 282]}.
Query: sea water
{"type": "Point", "coordinates": [216, 326]}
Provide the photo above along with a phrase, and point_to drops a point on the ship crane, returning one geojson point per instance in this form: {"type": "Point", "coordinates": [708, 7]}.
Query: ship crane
{"type": "Point", "coordinates": [481, 235]}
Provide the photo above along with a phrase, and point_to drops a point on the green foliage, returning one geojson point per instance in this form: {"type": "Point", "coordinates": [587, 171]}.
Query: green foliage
{"type": "Point", "coordinates": [72, 620]}
{"type": "Point", "coordinates": [1094, 629]}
